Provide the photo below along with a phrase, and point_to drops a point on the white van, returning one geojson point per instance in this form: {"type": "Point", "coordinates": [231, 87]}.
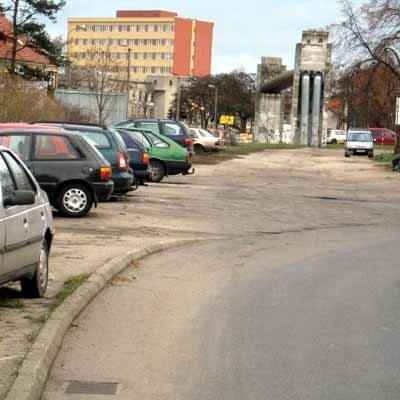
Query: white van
{"type": "Point", "coordinates": [359, 141]}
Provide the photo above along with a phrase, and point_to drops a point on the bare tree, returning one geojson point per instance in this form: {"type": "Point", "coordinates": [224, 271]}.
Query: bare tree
{"type": "Point", "coordinates": [370, 34]}
{"type": "Point", "coordinates": [101, 74]}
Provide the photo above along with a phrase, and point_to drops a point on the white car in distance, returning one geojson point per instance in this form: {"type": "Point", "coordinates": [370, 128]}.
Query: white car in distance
{"type": "Point", "coordinates": [335, 136]}
{"type": "Point", "coordinates": [204, 141]}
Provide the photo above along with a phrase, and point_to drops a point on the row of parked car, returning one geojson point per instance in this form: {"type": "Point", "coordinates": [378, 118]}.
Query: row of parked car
{"type": "Point", "coordinates": [79, 165]}
{"type": "Point", "coordinates": [72, 167]}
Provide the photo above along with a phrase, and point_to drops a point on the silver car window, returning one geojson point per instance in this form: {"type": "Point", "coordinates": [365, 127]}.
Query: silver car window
{"type": "Point", "coordinates": [22, 180]}
{"type": "Point", "coordinates": [7, 182]}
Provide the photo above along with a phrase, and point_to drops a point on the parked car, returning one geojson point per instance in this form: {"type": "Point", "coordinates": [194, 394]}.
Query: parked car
{"type": "Point", "coordinates": [383, 136]}
{"type": "Point", "coordinates": [110, 145]}
{"type": "Point", "coordinates": [359, 141]}
{"type": "Point", "coordinates": [177, 131]}
{"type": "Point", "coordinates": [26, 227]}
{"type": "Point", "coordinates": [336, 136]}
{"type": "Point", "coordinates": [71, 171]}
{"type": "Point", "coordinates": [166, 157]}
{"type": "Point", "coordinates": [138, 157]}
{"type": "Point", "coordinates": [205, 141]}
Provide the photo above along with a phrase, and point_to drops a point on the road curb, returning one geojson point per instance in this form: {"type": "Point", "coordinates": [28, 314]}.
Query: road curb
{"type": "Point", "coordinates": [32, 375]}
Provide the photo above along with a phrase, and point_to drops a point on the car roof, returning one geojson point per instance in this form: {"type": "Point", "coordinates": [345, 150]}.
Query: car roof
{"type": "Point", "coordinates": [56, 122]}
{"type": "Point", "coordinates": [42, 131]}
{"type": "Point", "coordinates": [26, 125]}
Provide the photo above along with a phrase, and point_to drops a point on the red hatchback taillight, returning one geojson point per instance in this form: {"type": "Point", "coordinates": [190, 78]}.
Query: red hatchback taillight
{"type": "Point", "coordinates": [105, 173]}
{"type": "Point", "coordinates": [145, 158]}
{"type": "Point", "coordinates": [188, 142]}
{"type": "Point", "coordinates": [122, 162]}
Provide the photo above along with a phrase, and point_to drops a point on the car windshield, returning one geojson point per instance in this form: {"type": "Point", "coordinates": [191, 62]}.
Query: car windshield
{"type": "Point", "coordinates": [97, 139]}
{"type": "Point", "coordinates": [360, 137]}
{"type": "Point", "coordinates": [139, 136]}
{"type": "Point", "coordinates": [205, 133]}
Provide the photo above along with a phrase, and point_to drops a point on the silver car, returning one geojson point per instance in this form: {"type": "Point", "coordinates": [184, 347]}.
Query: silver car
{"type": "Point", "coordinates": [26, 227]}
{"type": "Point", "coordinates": [359, 141]}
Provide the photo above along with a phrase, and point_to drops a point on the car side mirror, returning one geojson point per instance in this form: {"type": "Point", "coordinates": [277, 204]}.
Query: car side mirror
{"type": "Point", "coordinates": [20, 198]}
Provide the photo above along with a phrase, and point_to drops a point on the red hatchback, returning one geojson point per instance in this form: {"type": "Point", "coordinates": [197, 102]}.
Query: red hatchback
{"type": "Point", "coordinates": [383, 136]}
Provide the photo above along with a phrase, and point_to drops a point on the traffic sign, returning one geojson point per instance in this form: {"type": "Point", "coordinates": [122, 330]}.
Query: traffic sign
{"type": "Point", "coordinates": [227, 120]}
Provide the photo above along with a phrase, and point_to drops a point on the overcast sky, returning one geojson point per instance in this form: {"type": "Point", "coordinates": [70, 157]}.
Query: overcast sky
{"type": "Point", "coordinates": [244, 31]}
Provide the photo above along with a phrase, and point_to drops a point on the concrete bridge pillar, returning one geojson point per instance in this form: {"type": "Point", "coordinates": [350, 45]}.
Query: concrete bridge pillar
{"type": "Point", "coordinates": [311, 89]}
{"type": "Point", "coordinates": [269, 106]}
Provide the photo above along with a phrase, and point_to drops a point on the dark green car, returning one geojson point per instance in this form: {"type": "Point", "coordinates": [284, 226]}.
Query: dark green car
{"type": "Point", "coordinates": [166, 156]}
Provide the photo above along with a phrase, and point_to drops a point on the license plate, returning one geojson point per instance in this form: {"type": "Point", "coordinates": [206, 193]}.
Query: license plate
{"type": "Point", "coordinates": [360, 151]}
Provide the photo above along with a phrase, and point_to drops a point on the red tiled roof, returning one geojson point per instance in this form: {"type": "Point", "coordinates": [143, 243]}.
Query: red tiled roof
{"type": "Point", "coordinates": [26, 54]}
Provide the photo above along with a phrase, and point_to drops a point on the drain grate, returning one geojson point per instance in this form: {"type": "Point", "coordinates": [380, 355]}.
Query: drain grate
{"type": "Point", "coordinates": [92, 388]}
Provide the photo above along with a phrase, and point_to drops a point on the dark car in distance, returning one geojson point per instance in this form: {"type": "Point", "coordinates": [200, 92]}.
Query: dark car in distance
{"type": "Point", "coordinates": [177, 131]}
{"type": "Point", "coordinates": [138, 157]}
{"type": "Point", "coordinates": [71, 171]}
{"type": "Point", "coordinates": [110, 145]}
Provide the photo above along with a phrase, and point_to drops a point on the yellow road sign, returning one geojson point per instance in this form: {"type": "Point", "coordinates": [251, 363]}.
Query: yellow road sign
{"type": "Point", "coordinates": [227, 120]}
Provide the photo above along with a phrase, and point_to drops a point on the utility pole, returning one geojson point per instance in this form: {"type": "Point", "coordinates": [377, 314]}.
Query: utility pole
{"type": "Point", "coordinates": [215, 105]}
{"type": "Point", "coordinates": [128, 82]}
{"type": "Point", "coordinates": [178, 100]}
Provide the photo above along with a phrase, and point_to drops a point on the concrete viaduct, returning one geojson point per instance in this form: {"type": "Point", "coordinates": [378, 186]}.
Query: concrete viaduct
{"type": "Point", "coordinates": [291, 105]}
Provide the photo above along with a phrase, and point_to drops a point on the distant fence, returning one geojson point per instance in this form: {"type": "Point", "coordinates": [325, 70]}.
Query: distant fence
{"type": "Point", "coordinates": [115, 110]}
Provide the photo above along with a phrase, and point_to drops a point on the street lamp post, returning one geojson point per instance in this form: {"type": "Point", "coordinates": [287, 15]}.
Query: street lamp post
{"type": "Point", "coordinates": [128, 79]}
{"type": "Point", "coordinates": [215, 105]}
{"type": "Point", "coordinates": [128, 82]}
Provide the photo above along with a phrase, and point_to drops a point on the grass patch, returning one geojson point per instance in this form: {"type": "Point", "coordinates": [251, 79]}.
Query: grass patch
{"type": "Point", "coordinates": [386, 158]}
{"type": "Point", "coordinates": [69, 287]}
{"type": "Point", "coordinates": [335, 146]}
{"type": "Point", "coordinates": [254, 147]}
{"type": "Point", "coordinates": [12, 303]}
{"type": "Point", "coordinates": [231, 152]}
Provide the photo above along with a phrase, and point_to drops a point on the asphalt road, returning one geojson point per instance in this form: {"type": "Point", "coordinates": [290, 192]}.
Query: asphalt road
{"type": "Point", "coordinates": [310, 315]}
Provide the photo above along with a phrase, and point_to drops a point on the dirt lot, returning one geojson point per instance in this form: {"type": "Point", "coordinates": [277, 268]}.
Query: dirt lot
{"type": "Point", "coordinates": [288, 191]}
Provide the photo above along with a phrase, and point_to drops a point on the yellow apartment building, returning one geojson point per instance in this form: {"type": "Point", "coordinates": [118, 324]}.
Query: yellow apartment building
{"type": "Point", "coordinates": [143, 43]}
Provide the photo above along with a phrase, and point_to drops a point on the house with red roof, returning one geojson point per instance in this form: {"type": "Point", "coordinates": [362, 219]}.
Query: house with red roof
{"type": "Point", "coordinates": [27, 53]}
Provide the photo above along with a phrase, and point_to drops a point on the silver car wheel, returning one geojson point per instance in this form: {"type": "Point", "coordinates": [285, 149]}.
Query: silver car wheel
{"type": "Point", "coordinates": [75, 200]}
{"type": "Point", "coordinates": [43, 268]}
{"type": "Point", "coordinates": [156, 170]}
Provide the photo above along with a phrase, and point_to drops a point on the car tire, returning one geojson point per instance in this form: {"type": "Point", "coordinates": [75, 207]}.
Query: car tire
{"type": "Point", "coordinates": [157, 171]}
{"type": "Point", "coordinates": [370, 154]}
{"type": "Point", "coordinates": [333, 141]}
{"type": "Point", "coordinates": [347, 154]}
{"type": "Point", "coordinates": [37, 285]}
{"type": "Point", "coordinates": [74, 200]}
{"type": "Point", "coordinates": [199, 149]}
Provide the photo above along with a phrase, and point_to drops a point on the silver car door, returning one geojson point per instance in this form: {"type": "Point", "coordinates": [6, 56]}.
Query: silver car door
{"type": "Point", "coordinates": [2, 239]}
{"type": "Point", "coordinates": [16, 226]}
{"type": "Point", "coordinates": [35, 219]}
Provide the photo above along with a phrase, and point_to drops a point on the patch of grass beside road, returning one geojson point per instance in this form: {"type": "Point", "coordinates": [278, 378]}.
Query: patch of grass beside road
{"type": "Point", "coordinates": [231, 152]}
{"type": "Point", "coordinates": [70, 286]}
{"type": "Point", "coordinates": [12, 303]}
{"type": "Point", "coordinates": [386, 158]}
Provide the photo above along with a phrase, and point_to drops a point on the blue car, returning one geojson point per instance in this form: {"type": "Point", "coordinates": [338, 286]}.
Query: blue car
{"type": "Point", "coordinates": [138, 157]}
